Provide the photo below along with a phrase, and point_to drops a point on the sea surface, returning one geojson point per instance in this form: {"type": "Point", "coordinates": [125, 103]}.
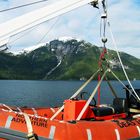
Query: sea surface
{"type": "Point", "coordinates": [52, 93]}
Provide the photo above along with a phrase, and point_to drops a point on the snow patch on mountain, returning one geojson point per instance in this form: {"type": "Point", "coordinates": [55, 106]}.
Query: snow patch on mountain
{"type": "Point", "coordinates": [32, 48]}
{"type": "Point", "coordinates": [67, 38]}
{"type": "Point", "coordinates": [26, 50]}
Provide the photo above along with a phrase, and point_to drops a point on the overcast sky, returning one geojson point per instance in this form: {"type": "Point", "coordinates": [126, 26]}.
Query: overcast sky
{"type": "Point", "coordinates": [82, 23]}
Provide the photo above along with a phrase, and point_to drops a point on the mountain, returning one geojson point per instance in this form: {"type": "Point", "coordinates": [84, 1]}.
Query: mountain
{"type": "Point", "coordinates": [63, 59]}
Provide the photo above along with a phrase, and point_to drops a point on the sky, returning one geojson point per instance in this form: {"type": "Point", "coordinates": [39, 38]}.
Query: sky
{"type": "Point", "coordinates": [82, 23]}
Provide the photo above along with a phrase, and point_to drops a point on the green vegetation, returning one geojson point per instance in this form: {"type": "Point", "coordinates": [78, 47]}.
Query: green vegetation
{"type": "Point", "coordinates": [79, 60]}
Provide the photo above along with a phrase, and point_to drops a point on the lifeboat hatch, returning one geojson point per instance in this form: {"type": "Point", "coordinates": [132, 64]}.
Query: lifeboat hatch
{"type": "Point", "coordinates": [72, 109]}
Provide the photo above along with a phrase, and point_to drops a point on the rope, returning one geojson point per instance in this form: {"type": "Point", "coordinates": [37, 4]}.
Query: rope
{"type": "Point", "coordinates": [99, 90]}
{"type": "Point", "coordinates": [111, 88]}
{"type": "Point", "coordinates": [103, 22]}
{"type": "Point", "coordinates": [10, 110]}
{"type": "Point", "coordinates": [91, 97]}
{"type": "Point", "coordinates": [84, 85]}
{"type": "Point", "coordinates": [122, 83]}
{"type": "Point", "coordinates": [28, 123]}
{"type": "Point", "coordinates": [20, 6]}
{"type": "Point", "coordinates": [76, 93]}
{"type": "Point", "coordinates": [21, 113]}
{"type": "Point", "coordinates": [115, 45]}
{"type": "Point", "coordinates": [30, 135]}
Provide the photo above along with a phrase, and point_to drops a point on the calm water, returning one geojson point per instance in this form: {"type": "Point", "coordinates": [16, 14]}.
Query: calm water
{"type": "Point", "coordinates": [50, 93]}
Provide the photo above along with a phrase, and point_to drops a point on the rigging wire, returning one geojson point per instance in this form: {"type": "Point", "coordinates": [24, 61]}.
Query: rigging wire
{"type": "Point", "coordinates": [49, 30]}
{"type": "Point", "coordinates": [21, 6]}
{"type": "Point", "coordinates": [125, 73]}
{"type": "Point", "coordinates": [40, 19]}
{"type": "Point", "coordinates": [115, 45]}
{"type": "Point", "coordinates": [31, 29]}
{"type": "Point", "coordinates": [24, 34]}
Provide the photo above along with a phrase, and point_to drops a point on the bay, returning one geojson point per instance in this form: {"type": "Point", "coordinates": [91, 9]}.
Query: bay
{"type": "Point", "coordinates": [52, 93]}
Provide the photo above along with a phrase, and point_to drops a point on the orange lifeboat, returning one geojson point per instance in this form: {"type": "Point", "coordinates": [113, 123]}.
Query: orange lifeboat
{"type": "Point", "coordinates": [76, 119]}
{"type": "Point", "coordinates": [97, 123]}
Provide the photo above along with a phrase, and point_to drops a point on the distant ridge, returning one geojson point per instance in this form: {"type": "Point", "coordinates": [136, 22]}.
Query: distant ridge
{"type": "Point", "coordinates": [63, 59]}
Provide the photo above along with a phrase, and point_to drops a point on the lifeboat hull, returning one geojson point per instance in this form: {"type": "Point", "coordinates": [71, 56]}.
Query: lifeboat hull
{"type": "Point", "coordinates": [14, 123]}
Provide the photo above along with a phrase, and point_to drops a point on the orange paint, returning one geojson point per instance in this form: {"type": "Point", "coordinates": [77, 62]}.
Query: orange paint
{"type": "Point", "coordinates": [64, 129]}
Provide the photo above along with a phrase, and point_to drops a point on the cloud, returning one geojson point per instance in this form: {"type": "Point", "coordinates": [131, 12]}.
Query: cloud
{"type": "Point", "coordinates": [125, 25]}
